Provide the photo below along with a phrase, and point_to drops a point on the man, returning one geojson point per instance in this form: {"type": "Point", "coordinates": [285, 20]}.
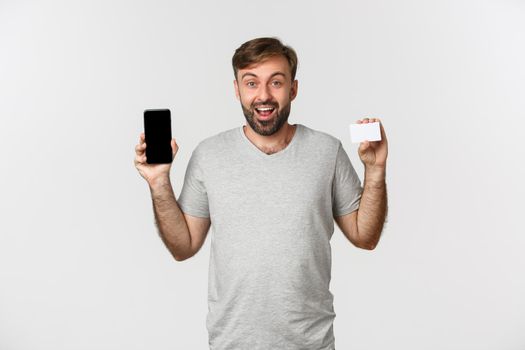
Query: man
{"type": "Point", "coordinates": [272, 191]}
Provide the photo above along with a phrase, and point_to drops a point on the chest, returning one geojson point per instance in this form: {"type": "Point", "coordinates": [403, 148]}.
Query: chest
{"type": "Point", "coordinates": [270, 189]}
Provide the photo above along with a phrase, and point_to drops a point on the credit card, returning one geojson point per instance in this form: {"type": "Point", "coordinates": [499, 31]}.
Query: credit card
{"type": "Point", "coordinates": [365, 132]}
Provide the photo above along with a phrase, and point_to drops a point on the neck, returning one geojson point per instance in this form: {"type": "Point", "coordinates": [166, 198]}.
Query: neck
{"type": "Point", "coordinates": [271, 143]}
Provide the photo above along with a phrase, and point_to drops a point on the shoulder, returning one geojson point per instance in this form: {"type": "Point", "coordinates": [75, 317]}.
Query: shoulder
{"type": "Point", "coordinates": [320, 139]}
{"type": "Point", "coordinates": [213, 146]}
{"type": "Point", "coordinates": [222, 138]}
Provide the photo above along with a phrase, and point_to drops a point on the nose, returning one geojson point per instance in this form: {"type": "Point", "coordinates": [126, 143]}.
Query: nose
{"type": "Point", "coordinates": [264, 93]}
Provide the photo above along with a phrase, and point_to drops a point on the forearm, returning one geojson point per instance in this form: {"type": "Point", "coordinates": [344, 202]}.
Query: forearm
{"type": "Point", "coordinates": [372, 208]}
{"type": "Point", "coordinates": [170, 220]}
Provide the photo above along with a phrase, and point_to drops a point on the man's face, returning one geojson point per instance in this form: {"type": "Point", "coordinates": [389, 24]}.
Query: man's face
{"type": "Point", "coordinates": [266, 91]}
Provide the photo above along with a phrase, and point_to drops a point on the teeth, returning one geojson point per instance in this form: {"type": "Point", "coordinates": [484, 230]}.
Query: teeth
{"type": "Point", "coordinates": [265, 109]}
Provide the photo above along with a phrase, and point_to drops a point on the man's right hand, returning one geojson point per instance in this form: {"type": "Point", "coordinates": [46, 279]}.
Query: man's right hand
{"type": "Point", "coordinates": [152, 172]}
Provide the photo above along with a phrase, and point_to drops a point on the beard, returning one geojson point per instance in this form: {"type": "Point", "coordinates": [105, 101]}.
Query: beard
{"type": "Point", "coordinates": [267, 127]}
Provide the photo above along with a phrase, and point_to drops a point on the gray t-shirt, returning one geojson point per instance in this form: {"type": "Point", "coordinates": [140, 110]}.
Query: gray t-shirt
{"type": "Point", "coordinates": [271, 221]}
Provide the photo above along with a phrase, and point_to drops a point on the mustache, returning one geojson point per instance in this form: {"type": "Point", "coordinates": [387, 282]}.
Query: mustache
{"type": "Point", "coordinates": [266, 103]}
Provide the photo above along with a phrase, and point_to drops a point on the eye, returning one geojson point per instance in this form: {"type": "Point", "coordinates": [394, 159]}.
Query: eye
{"type": "Point", "coordinates": [276, 83]}
{"type": "Point", "coordinates": [250, 84]}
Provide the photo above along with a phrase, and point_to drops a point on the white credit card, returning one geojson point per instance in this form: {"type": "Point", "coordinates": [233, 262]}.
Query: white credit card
{"type": "Point", "coordinates": [365, 132]}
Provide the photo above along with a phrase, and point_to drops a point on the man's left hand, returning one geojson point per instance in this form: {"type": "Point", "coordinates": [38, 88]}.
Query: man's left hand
{"type": "Point", "coordinates": [373, 153]}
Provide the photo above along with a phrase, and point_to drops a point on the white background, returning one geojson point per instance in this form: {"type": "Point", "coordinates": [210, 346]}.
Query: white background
{"type": "Point", "coordinates": [81, 264]}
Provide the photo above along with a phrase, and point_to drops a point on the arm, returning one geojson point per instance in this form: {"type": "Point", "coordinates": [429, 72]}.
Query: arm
{"type": "Point", "coordinates": [363, 227]}
{"type": "Point", "coordinates": [182, 234]}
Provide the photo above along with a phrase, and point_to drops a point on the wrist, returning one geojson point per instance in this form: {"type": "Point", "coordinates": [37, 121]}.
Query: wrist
{"type": "Point", "coordinates": [159, 182]}
{"type": "Point", "coordinates": [375, 174]}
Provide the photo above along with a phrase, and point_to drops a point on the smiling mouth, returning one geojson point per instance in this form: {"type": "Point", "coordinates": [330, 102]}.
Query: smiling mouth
{"type": "Point", "coordinates": [264, 112]}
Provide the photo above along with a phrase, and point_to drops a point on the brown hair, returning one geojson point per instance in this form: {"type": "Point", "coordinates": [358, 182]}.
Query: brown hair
{"type": "Point", "coordinates": [260, 49]}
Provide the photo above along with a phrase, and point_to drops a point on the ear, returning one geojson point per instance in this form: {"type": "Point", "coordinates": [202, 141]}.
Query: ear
{"type": "Point", "coordinates": [236, 86]}
{"type": "Point", "coordinates": [293, 90]}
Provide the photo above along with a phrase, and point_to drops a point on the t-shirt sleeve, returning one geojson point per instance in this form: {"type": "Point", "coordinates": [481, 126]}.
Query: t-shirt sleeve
{"type": "Point", "coordinates": [193, 198]}
{"type": "Point", "coordinates": [346, 186]}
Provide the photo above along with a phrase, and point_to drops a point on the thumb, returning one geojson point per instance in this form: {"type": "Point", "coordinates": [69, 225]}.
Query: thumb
{"type": "Point", "coordinates": [364, 146]}
{"type": "Point", "coordinates": [174, 147]}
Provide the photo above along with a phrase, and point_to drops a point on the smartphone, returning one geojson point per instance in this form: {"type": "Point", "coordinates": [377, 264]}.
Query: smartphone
{"type": "Point", "coordinates": [157, 134]}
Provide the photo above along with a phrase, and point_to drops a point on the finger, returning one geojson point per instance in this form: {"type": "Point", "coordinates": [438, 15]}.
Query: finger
{"type": "Point", "coordinates": [139, 149]}
{"type": "Point", "coordinates": [142, 137]}
{"type": "Point", "coordinates": [383, 135]}
{"type": "Point", "coordinates": [140, 159]}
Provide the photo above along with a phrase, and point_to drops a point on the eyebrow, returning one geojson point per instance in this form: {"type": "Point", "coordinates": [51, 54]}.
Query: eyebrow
{"type": "Point", "coordinates": [271, 76]}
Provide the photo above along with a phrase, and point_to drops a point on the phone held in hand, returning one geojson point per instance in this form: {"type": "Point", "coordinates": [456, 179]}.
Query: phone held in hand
{"type": "Point", "coordinates": [157, 134]}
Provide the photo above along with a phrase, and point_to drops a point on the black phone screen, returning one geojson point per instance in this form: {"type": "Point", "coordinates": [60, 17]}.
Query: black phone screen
{"type": "Point", "coordinates": [157, 133]}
